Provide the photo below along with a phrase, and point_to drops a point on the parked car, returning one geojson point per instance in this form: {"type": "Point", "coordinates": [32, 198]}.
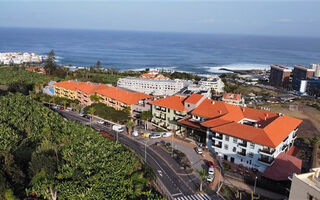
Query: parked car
{"type": "Point", "coordinates": [210, 177]}
{"type": "Point", "coordinates": [211, 171]}
{"type": "Point", "coordinates": [135, 133]}
{"type": "Point", "coordinates": [155, 135]}
{"type": "Point", "coordinates": [68, 109]}
{"type": "Point", "coordinates": [210, 164]}
{"type": "Point", "coordinates": [198, 150]}
{"type": "Point", "coordinates": [146, 135]}
{"type": "Point", "coordinates": [100, 122]}
{"type": "Point", "coordinates": [166, 134]}
{"type": "Point", "coordinates": [117, 128]}
{"type": "Point", "coordinates": [61, 108]}
{"type": "Point", "coordinates": [82, 114]}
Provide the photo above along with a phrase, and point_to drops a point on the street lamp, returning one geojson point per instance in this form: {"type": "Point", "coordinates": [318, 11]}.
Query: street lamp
{"type": "Point", "coordinates": [255, 184]}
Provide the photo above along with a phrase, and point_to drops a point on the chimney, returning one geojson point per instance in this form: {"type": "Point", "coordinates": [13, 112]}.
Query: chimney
{"type": "Point", "coordinates": [220, 112]}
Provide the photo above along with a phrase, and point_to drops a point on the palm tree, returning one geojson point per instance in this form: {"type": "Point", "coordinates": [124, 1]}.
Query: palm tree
{"type": "Point", "coordinates": [64, 102]}
{"type": "Point", "coordinates": [95, 98]}
{"type": "Point", "coordinates": [78, 107]}
{"type": "Point", "coordinates": [315, 145]}
{"type": "Point", "coordinates": [129, 125]}
{"type": "Point", "coordinates": [91, 110]}
{"type": "Point", "coordinates": [202, 173]}
{"type": "Point", "coordinates": [146, 116]}
{"type": "Point", "coordinates": [52, 100]}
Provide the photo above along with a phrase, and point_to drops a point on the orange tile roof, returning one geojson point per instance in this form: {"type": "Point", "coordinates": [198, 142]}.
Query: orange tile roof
{"type": "Point", "coordinates": [224, 118]}
{"type": "Point", "coordinates": [172, 102]}
{"type": "Point", "coordinates": [231, 96]}
{"type": "Point", "coordinates": [102, 89]}
{"type": "Point", "coordinates": [210, 109]}
{"type": "Point", "coordinates": [194, 98]}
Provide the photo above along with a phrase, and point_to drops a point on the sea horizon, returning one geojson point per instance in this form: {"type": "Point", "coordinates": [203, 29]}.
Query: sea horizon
{"type": "Point", "coordinates": [201, 53]}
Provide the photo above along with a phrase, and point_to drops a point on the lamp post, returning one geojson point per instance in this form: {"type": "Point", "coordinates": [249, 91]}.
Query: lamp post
{"type": "Point", "coordinates": [255, 184]}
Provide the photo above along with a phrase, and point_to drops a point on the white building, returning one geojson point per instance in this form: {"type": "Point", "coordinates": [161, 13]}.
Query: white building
{"type": "Point", "coordinates": [212, 82]}
{"type": "Point", "coordinates": [19, 58]}
{"type": "Point", "coordinates": [316, 68]}
{"type": "Point", "coordinates": [151, 86]}
{"type": "Point", "coordinates": [250, 137]}
{"type": "Point", "coordinates": [306, 186]}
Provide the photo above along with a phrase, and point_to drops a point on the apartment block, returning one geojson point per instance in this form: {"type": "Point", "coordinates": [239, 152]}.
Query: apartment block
{"type": "Point", "coordinates": [234, 99]}
{"type": "Point", "coordinates": [316, 68]}
{"type": "Point", "coordinates": [279, 76]}
{"type": "Point", "coordinates": [114, 97]}
{"type": "Point", "coordinates": [212, 82]}
{"type": "Point", "coordinates": [250, 137]}
{"type": "Point", "coordinates": [300, 73]}
{"type": "Point", "coordinates": [152, 86]}
{"type": "Point", "coordinates": [306, 186]}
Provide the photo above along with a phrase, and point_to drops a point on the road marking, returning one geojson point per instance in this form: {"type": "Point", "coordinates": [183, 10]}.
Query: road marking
{"type": "Point", "coordinates": [194, 197]}
{"type": "Point", "coordinates": [160, 172]}
{"type": "Point", "coordinates": [176, 194]}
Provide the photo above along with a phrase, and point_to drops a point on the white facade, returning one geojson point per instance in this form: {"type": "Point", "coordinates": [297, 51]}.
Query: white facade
{"type": "Point", "coordinates": [316, 68]}
{"type": "Point", "coordinates": [212, 82]}
{"type": "Point", "coordinates": [306, 186]}
{"type": "Point", "coordinates": [154, 87]}
{"type": "Point", "coordinates": [19, 58]}
{"type": "Point", "coordinates": [247, 153]}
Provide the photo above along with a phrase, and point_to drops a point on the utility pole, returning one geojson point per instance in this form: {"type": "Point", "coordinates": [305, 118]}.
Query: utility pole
{"type": "Point", "coordinates": [255, 183]}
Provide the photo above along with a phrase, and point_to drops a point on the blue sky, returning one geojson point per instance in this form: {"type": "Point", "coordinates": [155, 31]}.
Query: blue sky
{"type": "Point", "coordinates": [292, 18]}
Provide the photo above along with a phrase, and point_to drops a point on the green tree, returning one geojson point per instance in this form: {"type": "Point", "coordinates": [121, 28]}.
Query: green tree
{"type": "Point", "coordinates": [146, 116]}
{"type": "Point", "coordinates": [95, 98]}
{"type": "Point", "coordinates": [64, 103]}
{"type": "Point", "coordinates": [129, 126]}
{"type": "Point", "coordinates": [315, 149]}
{"type": "Point", "coordinates": [202, 173]}
{"type": "Point", "coordinates": [78, 107]}
{"type": "Point", "coordinates": [91, 110]}
{"type": "Point", "coordinates": [50, 63]}
{"type": "Point", "coordinates": [98, 64]}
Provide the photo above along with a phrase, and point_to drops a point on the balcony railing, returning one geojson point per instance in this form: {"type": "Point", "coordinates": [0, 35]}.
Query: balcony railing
{"type": "Point", "coordinates": [243, 144]}
{"type": "Point", "coordinates": [284, 147]}
{"type": "Point", "coordinates": [267, 161]}
{"type": "Point", "coordinates": [217, 136]}
{"type": "Point", "coordinates": [267, 151]}
{"type": "Point", "coordinates": [219, 145]}
{"type": "Point", "coordinates": [241, 153]}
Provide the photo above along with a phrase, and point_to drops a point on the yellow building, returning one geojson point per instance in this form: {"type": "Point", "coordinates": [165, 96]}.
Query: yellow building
{"type": "Point", "coordinates": [66, 89]}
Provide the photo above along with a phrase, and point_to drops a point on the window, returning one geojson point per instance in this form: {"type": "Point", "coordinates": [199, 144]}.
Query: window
{"type": "Point", "coordinates": [235, 140]}
{"type": "Point", "coordinates": [251, 155]}
{"type": "Point", "coordinates": [251, 145]}
{"type": "Point", "coordinates": [168, 110]}
{"type": "Point", "coordinates": [226, 147]}
{"type": "Point", "coordinates": [234, 149]}
{"type": "Point", "coordinates": [226, 138]}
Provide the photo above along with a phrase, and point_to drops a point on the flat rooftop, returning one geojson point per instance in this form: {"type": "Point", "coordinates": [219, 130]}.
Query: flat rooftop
{"type": "Point", "coordinates": [281, 67]}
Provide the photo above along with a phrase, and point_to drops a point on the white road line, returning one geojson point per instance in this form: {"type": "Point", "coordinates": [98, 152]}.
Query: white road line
{"type": "Point", "coordinates": [198, 197]}
{"type": "Point", "coordinates": [176, 194]}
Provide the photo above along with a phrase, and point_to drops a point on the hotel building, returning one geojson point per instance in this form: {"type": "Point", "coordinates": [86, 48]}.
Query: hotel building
{"type": "Point", "coordinates": [152, 86]}
{"type": "Point", "coordinates": [250, 137]}
{"type": "Point", "coordinates": [279, 76]}
{"type": "Point", "coordinates": [111, 96]}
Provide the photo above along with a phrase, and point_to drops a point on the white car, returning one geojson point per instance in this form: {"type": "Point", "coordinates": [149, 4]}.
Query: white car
{"type": "Point", "coordinates": [155, 135]}
{"type": "Point", "coordinates": [135, 133]}
{"type": "Point", "coordinates": [117, 128]}
{"type": "Point", "coordinates": [198, 150]}
{"type": "Point", "coordinates": [100, 122]}
{"type": "Point", "coordinates": [167, 134]}
{"type": "Point", "coordinates": [211, 171]}
{"type": "Point", "coordinates": [210, 178]}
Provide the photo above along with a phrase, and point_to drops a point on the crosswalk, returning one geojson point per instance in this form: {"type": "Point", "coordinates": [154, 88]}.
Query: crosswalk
{"type": "Point", "coordinates": [194, 197]}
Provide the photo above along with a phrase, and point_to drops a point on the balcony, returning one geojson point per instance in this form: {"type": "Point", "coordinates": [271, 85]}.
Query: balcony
{"type": "Point", "coordinates": [268, 151]}
{"type": "Point", "coordinates": [179, 114]}
{"type": "Point", "coordinates": [158, 108]}
{"type": "Point", "coordinates": [217, 136]}
{"type": "Point", "coordinates": [266, 160]}
{"type": "Point", "coordinates": [284, 147]}
{"type": "Point", "coordinates": [241, 153]}
{"type": "Point", "coordinates": [294, 136]}
{"type": "Point", "coordinates": [218, 144]}
{"type": "Point", "coordinates": [243, 143]}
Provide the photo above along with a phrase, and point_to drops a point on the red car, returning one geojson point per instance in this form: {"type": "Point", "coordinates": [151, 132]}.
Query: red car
{"type": "Point", "coordinates": [61, 108]}
{"type": "Point", "coordinates": [210, 164]}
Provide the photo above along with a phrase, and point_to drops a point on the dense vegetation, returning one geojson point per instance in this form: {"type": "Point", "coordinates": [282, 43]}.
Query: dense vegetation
{"type": "Point", "coordinates": [181, 75]}
{"type": "Point", "coordinates": [43, 156]}
{"type": "Point", "coordinates": [108, 113]}
{"type": "Point", "coordinates": [52, 100]}
{"type": "Point", "coordinates": [16, 79]}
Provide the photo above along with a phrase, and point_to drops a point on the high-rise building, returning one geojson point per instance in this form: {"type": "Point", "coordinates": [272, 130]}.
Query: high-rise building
{"type": "Point", "coordinates": [300, 73]}
{"type": "Point", "coordinates": [279, 76]}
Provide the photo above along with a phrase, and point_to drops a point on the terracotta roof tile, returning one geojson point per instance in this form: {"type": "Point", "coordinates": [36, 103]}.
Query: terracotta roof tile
{"type": "Point", "coordinates": [210, 109]}
{"type": "Point", "coordinates": [231, 96]}
{"type": "Point", "coordinates": [172, 102]}
{"type": "Point", "coordinates": [194, 98]}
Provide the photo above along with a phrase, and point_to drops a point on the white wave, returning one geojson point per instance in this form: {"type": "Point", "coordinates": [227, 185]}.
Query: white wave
{"type": "Point", "coordinates": [238, 66]}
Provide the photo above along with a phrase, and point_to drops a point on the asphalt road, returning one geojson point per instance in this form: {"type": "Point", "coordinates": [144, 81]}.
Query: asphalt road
{"type": "Point", "coordinates": [178, 186]}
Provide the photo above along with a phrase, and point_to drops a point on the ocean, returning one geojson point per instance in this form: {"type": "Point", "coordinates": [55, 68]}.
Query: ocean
{"type": "Point", "coordinates": [189, 52]}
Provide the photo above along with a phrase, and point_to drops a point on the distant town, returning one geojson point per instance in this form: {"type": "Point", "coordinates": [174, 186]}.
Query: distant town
{"type": "Point", "coordinates": [241, 135]}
